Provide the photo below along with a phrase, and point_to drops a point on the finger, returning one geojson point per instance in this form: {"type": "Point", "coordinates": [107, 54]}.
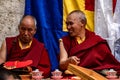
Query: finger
{"type": "Point", "coordinates": [74, 61]}
{"type": "Point", "coordinates": [77, 58]}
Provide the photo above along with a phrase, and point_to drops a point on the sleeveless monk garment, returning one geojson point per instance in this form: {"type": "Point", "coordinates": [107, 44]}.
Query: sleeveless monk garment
{"type": "Point", "coordinates": [36, 52]}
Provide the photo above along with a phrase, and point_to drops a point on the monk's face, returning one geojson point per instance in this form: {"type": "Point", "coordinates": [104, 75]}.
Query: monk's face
{"type": "Point", "coordinates": [74, 25]}
{"type": "Point", "coordinates": [27, 29]}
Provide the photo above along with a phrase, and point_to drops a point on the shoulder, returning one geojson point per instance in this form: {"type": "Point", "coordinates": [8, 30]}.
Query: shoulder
{"type": "Point", "coordinates": [38, 43]}
{"type": "Point", "coordinates": [66, 38]}
{"type": "Point", "coordinates": [91, 35]}
{"type": "Point", "coordinates": [96, 41]}
{"type": "Point", "coordinates": [10, 38]}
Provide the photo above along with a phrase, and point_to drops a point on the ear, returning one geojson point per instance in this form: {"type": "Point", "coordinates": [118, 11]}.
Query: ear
{"type": "Point", "coordinates": [83, 23]}
{"type": "Point", "coordinates": [19, 26]}
{"type": "Point", "coordinates": [35, 30]}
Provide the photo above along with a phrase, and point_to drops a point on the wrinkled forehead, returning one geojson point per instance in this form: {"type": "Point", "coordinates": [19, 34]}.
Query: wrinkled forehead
{"type": "Point", "coordinates": [28, 22]}
{"type": "Point", "coordinates": [72, 17]}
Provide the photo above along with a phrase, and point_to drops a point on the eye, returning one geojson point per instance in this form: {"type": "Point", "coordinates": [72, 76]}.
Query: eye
{"type": "Point", "coordinates": [23, 29]}
{"type": "Point", "coordinates": [30, 29]}
{"type": "Point", "coordinates": [69, 23]}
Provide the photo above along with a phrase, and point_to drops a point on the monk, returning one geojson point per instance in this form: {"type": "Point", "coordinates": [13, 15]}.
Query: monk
{"type": "Point", "coordinates": [83, 47]}
{"type": "Point", "coordinates": [25, 47]}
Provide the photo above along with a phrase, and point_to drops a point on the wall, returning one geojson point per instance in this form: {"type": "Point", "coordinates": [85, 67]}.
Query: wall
{"type": "Point", "coordinates": [10, 13]}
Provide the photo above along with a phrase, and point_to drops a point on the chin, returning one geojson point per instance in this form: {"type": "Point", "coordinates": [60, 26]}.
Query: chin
{"type": "Point", "coordinates": [72, 35]}
{"type": "Point", "coordinates": [26, 41]}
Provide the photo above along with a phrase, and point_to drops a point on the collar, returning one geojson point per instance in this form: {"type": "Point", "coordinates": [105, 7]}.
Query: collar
{"type": "Point", "coordinates": [28, 46]}
{"type": "Point", "coordinates": [80, 40]}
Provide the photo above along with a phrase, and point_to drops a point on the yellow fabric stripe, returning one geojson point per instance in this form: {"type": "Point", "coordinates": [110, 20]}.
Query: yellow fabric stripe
{"type": "Point", "coordinates": [90, 20]}
{"type": "Point", "coordinates": [70, 5]}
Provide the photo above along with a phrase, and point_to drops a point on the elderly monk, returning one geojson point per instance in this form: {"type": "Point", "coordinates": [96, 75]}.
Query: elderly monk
{"type": "Point", "coordinates": [83, 48]}
{"type": "Point", "coordinates": [24, 47]}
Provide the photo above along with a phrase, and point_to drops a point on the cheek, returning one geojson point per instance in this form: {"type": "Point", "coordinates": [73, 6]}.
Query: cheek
{"type": "Point", "coordinates": [77, 29]}
{"type": "Point", "coordinates": [31, 34]}
{"type": "Point", "coordinates": [21, 34]}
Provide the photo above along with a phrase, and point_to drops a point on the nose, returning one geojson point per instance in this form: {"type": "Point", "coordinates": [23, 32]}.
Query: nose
{"type": "Point", "coordinates": [68, 27]}
{"type": "Point", "coordinates": [26, 32]}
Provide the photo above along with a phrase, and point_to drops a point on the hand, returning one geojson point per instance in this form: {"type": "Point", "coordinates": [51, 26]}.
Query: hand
{"type": "Point", "coordinates": [74, 60]}
{"type": "Point", "coordinates": [29, 68]}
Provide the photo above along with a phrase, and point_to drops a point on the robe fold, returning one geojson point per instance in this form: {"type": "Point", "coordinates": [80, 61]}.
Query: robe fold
{"type": "Point", "coordinates": [37, 53]}
{"type": "Point", "coordinates": [94, 52]}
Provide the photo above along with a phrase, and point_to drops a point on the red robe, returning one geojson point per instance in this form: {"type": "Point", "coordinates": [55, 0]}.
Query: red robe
{"type": "Point", "coordinates": [36, 52]}
{"type": "Point", "coordinates": [94, 52]}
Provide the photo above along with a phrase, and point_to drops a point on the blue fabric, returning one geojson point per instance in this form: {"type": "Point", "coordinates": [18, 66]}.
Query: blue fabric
{"type": "Point", "coordinates": [48, 14]}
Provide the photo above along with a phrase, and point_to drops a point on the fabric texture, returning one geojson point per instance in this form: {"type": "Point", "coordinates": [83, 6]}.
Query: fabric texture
{"type": "Point", "coordinates": [104, 21]}
{"type": "Point", "coordinates": [94, 52]}
{"type": "Point", "coordinates": [37, 53]}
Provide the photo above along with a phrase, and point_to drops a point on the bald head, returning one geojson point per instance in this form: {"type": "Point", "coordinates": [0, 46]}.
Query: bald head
{"type": "Point", "coordinates": [28, 19]}
{"type": "Point", "coordinates": [80, 15]}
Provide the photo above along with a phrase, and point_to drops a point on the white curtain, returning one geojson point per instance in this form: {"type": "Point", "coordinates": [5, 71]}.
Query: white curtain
{"type": "Point", "coordinates": [104, 21]}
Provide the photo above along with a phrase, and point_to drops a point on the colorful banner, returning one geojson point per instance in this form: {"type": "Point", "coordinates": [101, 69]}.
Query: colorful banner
{"type": "Point", "coordinates": [87, 6]}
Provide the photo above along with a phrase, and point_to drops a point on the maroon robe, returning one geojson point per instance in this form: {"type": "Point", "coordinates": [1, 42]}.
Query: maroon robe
{"type": "Point", "coordinates": [94, 52]}
{"type": "Point", "coordinates": [37, 53]}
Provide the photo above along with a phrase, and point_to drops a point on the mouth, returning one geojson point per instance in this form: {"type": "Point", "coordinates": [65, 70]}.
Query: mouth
{"type": "Point", "coordinates": [70, 31]}
{"type": "Point", "coordinates": [26, 38]}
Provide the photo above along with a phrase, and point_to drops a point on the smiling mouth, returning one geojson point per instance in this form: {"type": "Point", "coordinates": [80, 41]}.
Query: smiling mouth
{"type": "Point", "coordinates": [70, 31]}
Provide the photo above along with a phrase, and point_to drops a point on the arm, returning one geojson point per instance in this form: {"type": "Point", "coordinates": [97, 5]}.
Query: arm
{"type": "Point", "coordinates": [63, 56]}
{"type": "Point", "coordinates": [44, 63]}
{"type": "Point", "coordinates": [3, 53]}
{"type": "Point", "coordinates": [64, 59]}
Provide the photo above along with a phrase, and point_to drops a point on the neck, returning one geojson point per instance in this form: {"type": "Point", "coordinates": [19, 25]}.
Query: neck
{"type": "Point", "coordinates": [24, 45]}
{"type": "Point", "coordinates": [82, 34]}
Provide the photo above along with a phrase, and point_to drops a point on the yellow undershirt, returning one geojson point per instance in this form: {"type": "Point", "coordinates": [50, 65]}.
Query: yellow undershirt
{"type": "Point", "coordinates": [80, 40]}
{"type": "Point", "coordinates": [28, 46]}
